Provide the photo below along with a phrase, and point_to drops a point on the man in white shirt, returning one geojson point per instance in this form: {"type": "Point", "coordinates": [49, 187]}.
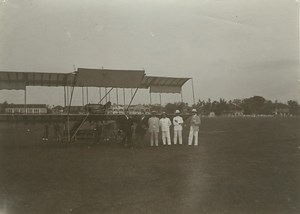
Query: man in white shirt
{"type": "Point", "coordinates": [194, 129]}
{"type": "Point", "coordinates": [153, 124]}
{"type": "Point", "coordinates": [177, 122]}
{"type": "Point", "coordinates": [165, 124]}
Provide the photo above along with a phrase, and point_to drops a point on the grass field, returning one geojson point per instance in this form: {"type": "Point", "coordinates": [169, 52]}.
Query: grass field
{"type": "Point", "coordinates": [243, 165]}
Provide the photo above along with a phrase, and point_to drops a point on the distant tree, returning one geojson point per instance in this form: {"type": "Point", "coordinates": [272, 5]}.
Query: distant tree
{"type": "Point", "coordinates": [293, 107]}
{"type": "Point", "coordinates": [253, 105]}
{"type": "Point", "coordinates": [200, 106]}
{"type": "Point", "coordinates": [170, 108]}
{"type": "Point", "coordinates": [268, 108]}
{"type": "Point", "coordinates": [237, 102]}
{"type": "Point", "coordinates": [207, 108]}
{"type": "Point", "coordinates": [221, 107]}
{"type": "Point", "coordinates": [280, 105]}
{"type": "Point", "coordinates": [156, 108]}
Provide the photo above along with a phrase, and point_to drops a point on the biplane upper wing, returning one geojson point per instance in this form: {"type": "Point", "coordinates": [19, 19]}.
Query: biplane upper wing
{"type": "Point", "coordinates": [163, 84]}
{"type": "Point", "coordinates": [109, 78]}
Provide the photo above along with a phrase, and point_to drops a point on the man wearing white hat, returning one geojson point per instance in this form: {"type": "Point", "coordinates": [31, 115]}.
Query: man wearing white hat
{"type": "Point", "coordinates": [194, 129]}
{"type": "Point", "coordinates": [177, 122]}
{"type": "Point", "coordinates": [165, 124]}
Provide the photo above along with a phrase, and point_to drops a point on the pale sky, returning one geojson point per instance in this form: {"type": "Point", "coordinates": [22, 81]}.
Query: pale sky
{"type": "Point", "coordinates": [231, 48]}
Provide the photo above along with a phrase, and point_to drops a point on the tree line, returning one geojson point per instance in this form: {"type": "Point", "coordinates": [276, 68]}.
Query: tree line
{"type": "Point", "coordinates": [253, 105]}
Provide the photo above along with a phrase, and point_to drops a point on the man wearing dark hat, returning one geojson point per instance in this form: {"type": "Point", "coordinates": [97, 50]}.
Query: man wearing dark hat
{"type": "Point", "coordinates": [141, 129]}
{"type": "Point", "coordinates": [165, 124]}
{"type": "Point", "coordinates": [194, 129]}
{"type": "Point", "coordinates": [126, 126]}
{"type": "Point", "coordinates": [153, 124]}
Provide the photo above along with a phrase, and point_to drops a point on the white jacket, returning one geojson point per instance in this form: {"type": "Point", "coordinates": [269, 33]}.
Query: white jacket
{"type": "Point", "coordinates": [177, 121]}
{"type": "Point", "coordinates": [165, 123]}
{"type": "Point", "coordinates": [153, 124]}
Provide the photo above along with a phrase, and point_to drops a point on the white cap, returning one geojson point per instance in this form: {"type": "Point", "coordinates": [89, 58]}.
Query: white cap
{"type": "Point", "coordinates": [194, 110]}
{"type": "Point", "coordinates": [177, 112]}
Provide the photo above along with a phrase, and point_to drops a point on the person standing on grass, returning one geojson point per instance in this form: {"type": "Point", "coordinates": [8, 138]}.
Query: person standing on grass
{"type": "Point", "coordinates": [141, 129]}
{"type": "Point", "coordinates": [165, 124]}
{"type": "Point", "coordinates": [58, 135]}
{"type": "Point", "coordinates": [194, 129]}
{"type": "Point", "coordinates": [46, 132]}
{"type": "Point", "coordinates": [153, 124]}
{"type": "Point", "coordinates": [98, 131]}
{"type": "Point", "coordinates": [177, 122]}
{"type": "Point", "coordinates": [126, 126]}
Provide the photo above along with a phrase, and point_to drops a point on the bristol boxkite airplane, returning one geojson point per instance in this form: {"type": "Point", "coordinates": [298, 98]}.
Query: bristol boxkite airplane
{"type": "Point", "coordinates": [70, 124]}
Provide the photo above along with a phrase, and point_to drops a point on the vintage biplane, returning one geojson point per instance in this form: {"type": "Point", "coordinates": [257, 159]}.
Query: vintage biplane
{"type": "Point", "coordinates": [109, 79]}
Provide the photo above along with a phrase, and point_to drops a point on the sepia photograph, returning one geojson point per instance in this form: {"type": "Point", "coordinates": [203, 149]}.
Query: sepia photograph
{"type": "Point", "coordinates": [149, 106]}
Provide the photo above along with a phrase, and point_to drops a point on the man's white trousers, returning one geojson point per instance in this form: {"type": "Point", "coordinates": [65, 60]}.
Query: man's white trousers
{"type": "Point", "coordinates": [154, 135]}
{"type": "Point", "coordinates": [166, 135]}
{"type": "Point", "coordinates": [177, 134]}
{"type": "Point", "coordinates": [193, 134]}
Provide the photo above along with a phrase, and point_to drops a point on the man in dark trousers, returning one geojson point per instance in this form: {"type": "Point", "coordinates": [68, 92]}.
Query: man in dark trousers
{"type": "Point", "coordinates": [126, 126]}
{"type": "Point", "coordinates": [141, 129]}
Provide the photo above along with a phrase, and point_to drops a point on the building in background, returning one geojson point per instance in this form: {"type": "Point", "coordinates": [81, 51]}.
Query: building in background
{"type": "Point", "coordinates": [26, 109]}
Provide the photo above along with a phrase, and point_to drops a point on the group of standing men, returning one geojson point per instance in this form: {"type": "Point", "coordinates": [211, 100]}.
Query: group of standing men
{"type": "Point", "coordinates": [154, 125]}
